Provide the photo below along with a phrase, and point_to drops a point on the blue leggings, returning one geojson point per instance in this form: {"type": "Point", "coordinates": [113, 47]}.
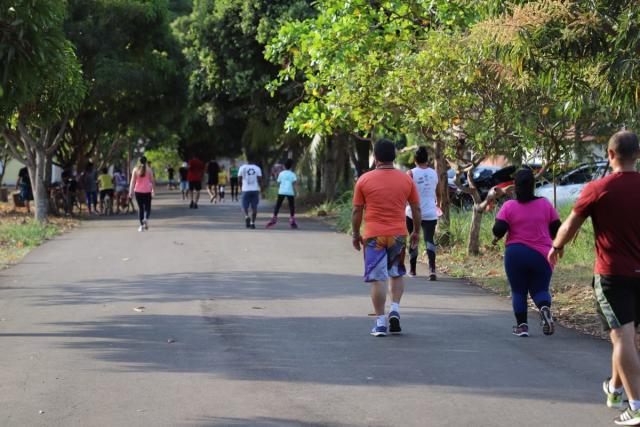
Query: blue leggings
{"type": "Point", "coordinates": [529, 273]}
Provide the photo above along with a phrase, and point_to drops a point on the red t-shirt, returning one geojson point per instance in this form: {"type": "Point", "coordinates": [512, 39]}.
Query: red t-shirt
{"type": "Point", "coordinates": [613, 203]}
{"type": "Point", "coordinates": [384, 193]}
{"type": "Point", "coordinates": [196, 170]}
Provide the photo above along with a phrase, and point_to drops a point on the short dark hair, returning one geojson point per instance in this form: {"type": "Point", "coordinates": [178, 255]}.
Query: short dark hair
{"type": "Point", "coordinates": [105, 170]}
{"type": "Point", "coordinates": [421, 155]}
{"type": "Point", "coordinates": [384, 150]}
{"type": "Point", "coordinates": [625, 145]}
{"type": "Point", "coordinates": [288, 164]}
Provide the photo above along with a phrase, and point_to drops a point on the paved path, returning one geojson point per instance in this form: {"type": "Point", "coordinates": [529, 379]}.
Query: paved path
{"type": "Point", "coordinates": [270, 329]}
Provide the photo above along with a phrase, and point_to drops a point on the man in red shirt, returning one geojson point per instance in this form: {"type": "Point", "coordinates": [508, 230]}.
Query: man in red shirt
{"type": "Point", "coordinates": [381, 196]}
{"type": "Point", "coordinates": [613, 203]}
{"type": "Point", "coordinates": [194, 176]}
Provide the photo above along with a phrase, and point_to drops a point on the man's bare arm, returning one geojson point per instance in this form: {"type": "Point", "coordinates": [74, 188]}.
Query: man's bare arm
{"type": "Point", "coordinates": [356, 222]}
{"type": "Point", "coordinates": [566, 233]}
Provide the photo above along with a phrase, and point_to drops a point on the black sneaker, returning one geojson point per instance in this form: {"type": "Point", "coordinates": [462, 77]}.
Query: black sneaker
{"type": "Point", "coordinates": [191, 205]}
{"type": "Point", "coordinates": [432, 276]}
{"type": "Point", "coordinates": [394, 323]}
{"type": "Point", "coordinates": [253, 226]}
{"type": "Point", "coordinates": [546, 319]}
{"type": "Point", "coordinates": [247, 222]}
{"type": "Point", "coordinates": [195, 206]}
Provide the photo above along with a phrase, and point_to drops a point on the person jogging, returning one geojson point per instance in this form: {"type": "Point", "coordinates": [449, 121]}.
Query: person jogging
{"type": "Point", "coordinates": [183, 171]}
{"type": "Point", "coordinates": [222, 183]}
{"type": "Point", "coordinates": [194, 176]}
{"type": "Point", "coordinates": [250, 178]}
{"type": "Point", "coordinates": [426, 180]}
{"type": "Point", "coordinates": [381, 196]}
{"type": "Point", "coordinates": [233, 180]}
{"type": "Point", "coordinates": [613, 204]}
{"type": "Point", "coordinates": [213, 169]}
{"type": "Point", "coordinates": [288, 181]}
{"type": "Point", "coordinates": [530, 223]}
{"type": "Point", "coordinates": [143, 188]}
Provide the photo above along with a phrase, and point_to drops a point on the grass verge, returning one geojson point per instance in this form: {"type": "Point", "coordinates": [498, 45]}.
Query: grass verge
{"type": "Point", "coordinates": [19, 233]}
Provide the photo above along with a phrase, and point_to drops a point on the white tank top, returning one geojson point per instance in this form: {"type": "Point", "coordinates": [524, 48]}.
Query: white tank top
{"type": "Point", "coordinates": [426, 181]}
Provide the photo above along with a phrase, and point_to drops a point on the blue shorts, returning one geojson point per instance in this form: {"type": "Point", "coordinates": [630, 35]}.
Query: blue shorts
{"type": "Point", "coordinates": [384, 258]}
{"type": "Point", "coordinates": [184, 185]}
{"type": "Point", "coordinates": [250, 199]}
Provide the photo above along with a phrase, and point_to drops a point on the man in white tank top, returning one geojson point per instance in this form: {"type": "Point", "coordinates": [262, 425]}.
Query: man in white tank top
{"type": "Point", "coordinates": [426, 180]}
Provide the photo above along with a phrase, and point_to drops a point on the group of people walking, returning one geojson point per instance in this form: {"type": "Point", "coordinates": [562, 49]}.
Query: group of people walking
{"type": "Point", "coordinates": [395, 205]}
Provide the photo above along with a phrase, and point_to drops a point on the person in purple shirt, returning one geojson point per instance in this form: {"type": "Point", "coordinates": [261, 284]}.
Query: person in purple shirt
{"type": "Point", "coordinates": [530, 224]}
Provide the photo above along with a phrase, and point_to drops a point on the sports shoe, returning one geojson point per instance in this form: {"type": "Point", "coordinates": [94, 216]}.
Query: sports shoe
{"type": "Point", "coordinates": [146, 224]}
{"type": "Point", "coordinates": [394, 322]}
{"type": "Point", "coordinates": [522, 330]}
{"type": "Point", "coordinates": [412, 268]}
{"type": "Point", "coordinates": [628, 418]}
{"type": "Point", "coordinates": [546, 320]}
{"type": "Point", "coordinates": [292, 223]}
{"type": "Point", "coordinates": [253, 226]}
{"type": "Point", "coordinates": [379, 331]}
{"type": "Point", "coordinates": [614, 400]}
{"type": "Point", "coordinates": [432, 275]}
{"type": "Point", "coordinates": [247, 222]}
{"type": "Point", "coordinates": [191, 205]}
{"type": "Point", "coordinates": [273, 221]}
{"type": "Point", "coordinates": [195, 205]}
{"type": "Point", "coordinates": [140, 229]}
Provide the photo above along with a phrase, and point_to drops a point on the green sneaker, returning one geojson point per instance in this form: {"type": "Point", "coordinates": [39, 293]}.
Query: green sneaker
{"type": "Point", "coordinates": [628, 418]}
{"type": "Point", "coordinates": [614, 400]}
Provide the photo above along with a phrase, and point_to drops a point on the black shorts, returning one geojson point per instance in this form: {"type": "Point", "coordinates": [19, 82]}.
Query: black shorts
{"type": "Point", "coordinates": [213, 181]}
{"type": "Point", "coordinates": [195, 185]}
{"type": "Point", "coordinates": [617, 300]}
{"type": "Point", "coordinates": [105, 193]}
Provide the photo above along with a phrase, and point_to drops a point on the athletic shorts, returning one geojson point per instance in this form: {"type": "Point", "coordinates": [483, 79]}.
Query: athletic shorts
{"type": "Point", "coordinates": [250, 199]}
{"type": "Point", "coordinates": [384, 258]}
{"type": "Point", "coordinates": [195, 185]}
{"type": "Point", "coordinates": [184, 185]}
{"type": "Point", "coordinates": [121, 188]}
{"type": "Point", "coordinates": [105, 193]}
{"type": "Point", "coordinates": [617, 300]}
{"type": "Point", "coordinates": [213, 181]}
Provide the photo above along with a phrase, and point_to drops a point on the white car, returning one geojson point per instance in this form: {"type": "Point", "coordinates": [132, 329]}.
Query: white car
{"type": "Point", "coordinates": [570, 185]}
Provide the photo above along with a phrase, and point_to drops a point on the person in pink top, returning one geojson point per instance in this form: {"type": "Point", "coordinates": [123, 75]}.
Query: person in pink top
{"type": "Point", "coordinates": [530, 224]}
{"type": "Point", "coordinates": [142, 186]}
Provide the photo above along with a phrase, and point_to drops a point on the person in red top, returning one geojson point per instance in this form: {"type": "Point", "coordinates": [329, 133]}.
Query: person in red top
{"type": "Point", "coordinates": [613, 203]}
{"type": "Point", "coordinates": [194, 176]}
{"type": "Point", "coordinates": [381, 196]}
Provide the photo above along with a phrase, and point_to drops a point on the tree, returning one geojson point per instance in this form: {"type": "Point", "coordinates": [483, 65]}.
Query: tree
{"type": "Point", "coordinates": [43, 85]}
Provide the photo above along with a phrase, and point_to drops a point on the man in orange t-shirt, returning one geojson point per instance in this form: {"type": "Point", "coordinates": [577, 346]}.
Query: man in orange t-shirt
{"type": "Point", "coordinates": [381, 196]}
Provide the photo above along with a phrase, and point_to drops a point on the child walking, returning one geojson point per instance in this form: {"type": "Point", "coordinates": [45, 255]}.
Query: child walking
{"type": "Point", "coordinates": [288, 181]}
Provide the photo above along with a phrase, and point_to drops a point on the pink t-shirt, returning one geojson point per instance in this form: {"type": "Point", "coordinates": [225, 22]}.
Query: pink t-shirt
{"type": "Point", "coordinates": [529, 223]}
{"type": "Point", "coordinates": [144, 183]}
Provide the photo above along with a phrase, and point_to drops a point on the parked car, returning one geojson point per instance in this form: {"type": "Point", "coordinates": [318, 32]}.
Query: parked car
{"type": "Point", "coordinates": [570, 185]}
{"type": "Point", "coordinates": [484, 177]}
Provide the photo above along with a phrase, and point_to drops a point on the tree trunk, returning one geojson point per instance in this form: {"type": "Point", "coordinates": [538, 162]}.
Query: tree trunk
{"type": "Point", "coordinates": [474, 232]}
{"type": "Point", "coordinates": [39, 186]}
{"type": "Point", "coordinates": [329, 167]}
{"type": "Point", "coordinates": [48, 170]}
{"type": "Point", "coordinates": [442, 167]}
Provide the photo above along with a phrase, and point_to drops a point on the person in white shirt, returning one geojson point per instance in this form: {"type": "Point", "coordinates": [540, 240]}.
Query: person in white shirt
{"type": "Point", "coordinates": [426, 180]}
{"type": "Point", "coordinates": [250, 178]}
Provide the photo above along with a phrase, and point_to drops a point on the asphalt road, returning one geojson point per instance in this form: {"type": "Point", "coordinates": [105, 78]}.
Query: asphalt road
{"type": "Point", "coordinates": [265, 328]}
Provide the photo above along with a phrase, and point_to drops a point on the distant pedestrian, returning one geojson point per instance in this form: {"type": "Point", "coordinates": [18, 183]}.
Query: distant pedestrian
{"type": "Point", "coordinates": [195, 175]}
{"type": "Point", "coordinates": [381, 196]}
{"type": "Point", "coordinates": [26, 190]}
{"type": "Point", "coordinates": [233, 180]}
{"type": "Point", "coordinates": [89, 180]}
{"type": "Point", "coordinates": [613, 204]}
{"type": "Point", "coordinates": [122, 185]}
{"type": "Point", "coordinates": [250, 178]}
{"type": "Point", "coordinates": [288, 181]}
{"type": "Point", "coordinates": [142, 187]}
{"type": "Point", "coordinates": [106, 187]}
{"type": "Point", "coordinates": [530, 224]}
{"type": "Point", "coordinates": [213, 169]}
{"type": "Point", "coordinates": [184, 181]}
{"type": "Point", "coordinates": [171, 172]}
{"type": "Point", "coordinates": [222, 183]}
{"type": "Point", "coordinates": [426, 180]}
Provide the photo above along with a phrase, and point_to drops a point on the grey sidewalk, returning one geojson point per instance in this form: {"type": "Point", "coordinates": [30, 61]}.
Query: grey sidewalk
{"type": "Point", "coordinates": [270, 329]}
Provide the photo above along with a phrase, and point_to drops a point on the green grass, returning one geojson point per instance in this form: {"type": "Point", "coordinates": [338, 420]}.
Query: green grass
{"type": "Point", "coordinates": [16, 239]}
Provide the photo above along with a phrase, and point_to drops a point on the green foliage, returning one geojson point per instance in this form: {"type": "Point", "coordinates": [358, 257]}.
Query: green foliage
{"type": "Point", "coordinates": [27, 235]}
{"type": "Point", "coordinates": [162, 157]}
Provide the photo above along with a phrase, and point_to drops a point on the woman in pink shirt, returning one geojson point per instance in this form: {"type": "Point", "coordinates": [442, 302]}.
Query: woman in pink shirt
{"type": "Point", "coordinates": [142, 186]}
{"type": "Point", "coordinates": [530, 224]}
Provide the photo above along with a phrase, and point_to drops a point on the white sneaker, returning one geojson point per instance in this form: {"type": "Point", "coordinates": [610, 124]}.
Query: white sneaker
{"type": "Point", "coordinates": [140, 229]}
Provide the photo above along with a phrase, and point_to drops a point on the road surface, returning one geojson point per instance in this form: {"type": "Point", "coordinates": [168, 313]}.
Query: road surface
{"type": "Point", "coordinates": [265, 328]}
